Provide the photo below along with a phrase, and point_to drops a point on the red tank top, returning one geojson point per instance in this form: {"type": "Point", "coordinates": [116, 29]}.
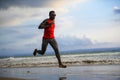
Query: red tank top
{"type": "Point", "coordinates": [49, 32]}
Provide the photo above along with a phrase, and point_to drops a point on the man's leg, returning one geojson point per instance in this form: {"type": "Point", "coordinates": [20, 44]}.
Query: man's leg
{"type": "Point", "coordinates": [43, 49]}
{"type": "Point", "coordinates": [54, 45]}
{"type": "Point", "coordinates": [44, 46]}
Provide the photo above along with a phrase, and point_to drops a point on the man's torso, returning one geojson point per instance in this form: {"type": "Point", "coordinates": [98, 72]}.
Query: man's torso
{"type": "Point", "coordinates": [49, 32]}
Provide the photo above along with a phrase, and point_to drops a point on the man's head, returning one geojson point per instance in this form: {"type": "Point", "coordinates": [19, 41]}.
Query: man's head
{"type": "Point", "coordinates": [52, 15]}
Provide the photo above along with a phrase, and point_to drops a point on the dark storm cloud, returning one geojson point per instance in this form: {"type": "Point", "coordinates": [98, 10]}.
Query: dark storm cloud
{"type": "Point", "coordinates": [4, 4]}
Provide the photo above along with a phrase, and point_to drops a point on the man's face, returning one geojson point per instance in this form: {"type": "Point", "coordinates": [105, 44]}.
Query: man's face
{"type": "Point", "coordinates": [52, 15]}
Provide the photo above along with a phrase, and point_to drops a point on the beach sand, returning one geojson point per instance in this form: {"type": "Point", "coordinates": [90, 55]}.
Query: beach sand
{"type": "Point", "coordinates": [5, 78]}
{"type": "Point", "coordinates": [86, 72]}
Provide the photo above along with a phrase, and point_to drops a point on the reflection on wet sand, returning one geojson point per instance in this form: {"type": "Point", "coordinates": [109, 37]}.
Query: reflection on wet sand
{"type": "Point", "coordinates": [62, 78]}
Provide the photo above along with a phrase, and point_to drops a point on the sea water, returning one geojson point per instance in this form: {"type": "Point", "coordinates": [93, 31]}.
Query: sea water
{"type": "Point", "coordinates": [70, 59]}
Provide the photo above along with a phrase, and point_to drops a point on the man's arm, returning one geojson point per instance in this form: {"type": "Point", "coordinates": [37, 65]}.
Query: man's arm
{"type": "Point", "coordinates": [45, 24]}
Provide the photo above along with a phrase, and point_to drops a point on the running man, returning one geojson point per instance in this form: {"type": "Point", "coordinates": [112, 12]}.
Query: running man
{"type": "Point", "coordinates": [49, 25]}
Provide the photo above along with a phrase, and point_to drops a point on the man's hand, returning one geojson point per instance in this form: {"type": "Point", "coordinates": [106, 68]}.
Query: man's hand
{"type": "Point", "coordinates": [48, 24]}
{"type": "Point", "coordinates": [51, 23]}
{"type": "Point", "coordinates": [45, 24]}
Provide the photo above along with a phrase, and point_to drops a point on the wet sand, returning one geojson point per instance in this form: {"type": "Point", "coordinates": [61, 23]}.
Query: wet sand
{"type": "Point", "coordinates": [5, 78]}
{"type": "Point", "coordinates": [86, 72]}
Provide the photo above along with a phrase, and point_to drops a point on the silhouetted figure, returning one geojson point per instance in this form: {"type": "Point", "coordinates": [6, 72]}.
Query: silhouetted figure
{"type": "Point", "coordinates": [49, 25]}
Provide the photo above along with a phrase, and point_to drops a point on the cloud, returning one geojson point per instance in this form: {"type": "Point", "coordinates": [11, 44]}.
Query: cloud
{"type": "Point", "coordinates": [117, 15]}
{"type": "Point", "coordinates": [67, 3]}
{"type": "Point", "coordinates": [116, 9]}
{"type": "Point", "coordinates": [34, 41]}
{"type": "Point", "coordinates": [23, 11]}
{"type": "Point", "coordinates": [65, 23]}
{"type": "Point", "coordinates": [5, 4]}
{"type": "Point", "coordinates": [72, 42]}
{"type": "Point", "coordinates": [18, 16]}
{"type": "Point", "coordinates": [27, 45]}
{"type": "Point", "coordinates": [17, 37]}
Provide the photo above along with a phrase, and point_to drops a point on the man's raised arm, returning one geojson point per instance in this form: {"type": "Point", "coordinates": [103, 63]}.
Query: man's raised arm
{"type": "Point", "coordinates": [45, 24]}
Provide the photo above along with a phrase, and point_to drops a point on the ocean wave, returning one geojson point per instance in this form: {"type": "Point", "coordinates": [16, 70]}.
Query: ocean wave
{"type": "Point", "coordinates": [71, 59]}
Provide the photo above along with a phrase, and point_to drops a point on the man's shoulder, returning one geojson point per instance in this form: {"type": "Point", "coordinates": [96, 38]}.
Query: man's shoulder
{"type": "Point", "coordinates": [46, 19]}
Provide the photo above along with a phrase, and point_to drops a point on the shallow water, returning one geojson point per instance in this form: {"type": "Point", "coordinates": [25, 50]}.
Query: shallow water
{"type": "Point", "coordinates": [91, 72]}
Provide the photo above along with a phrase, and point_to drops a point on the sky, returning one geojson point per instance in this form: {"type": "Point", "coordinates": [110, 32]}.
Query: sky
{"type": "Point", "coordinates": [80, 24]}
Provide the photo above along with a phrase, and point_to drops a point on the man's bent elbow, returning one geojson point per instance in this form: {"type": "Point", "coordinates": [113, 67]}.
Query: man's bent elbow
{"type": "Point", "coordinates": [40, 27]}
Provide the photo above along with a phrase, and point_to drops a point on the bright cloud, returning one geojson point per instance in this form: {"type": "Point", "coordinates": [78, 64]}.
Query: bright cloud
{"type": "Point", "coordinates": [67, 3]}
{"type": "Point", "coordinates": [17, 16]}
{"type": "Point", "coordinates": [23, 11]}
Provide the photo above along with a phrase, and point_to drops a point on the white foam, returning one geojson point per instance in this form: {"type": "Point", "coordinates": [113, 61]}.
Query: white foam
{"type": "Point", "coordinates": [71, 59]}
